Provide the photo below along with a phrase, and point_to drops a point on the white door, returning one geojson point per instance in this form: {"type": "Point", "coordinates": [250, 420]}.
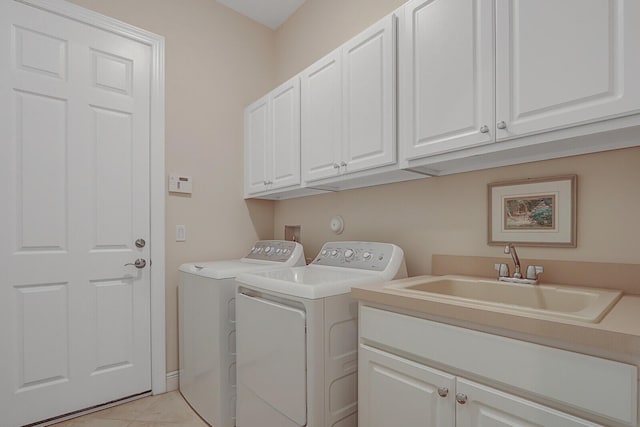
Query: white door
{"type": "Point", "coordinates": [369, 134]}
{"type": "Point", "coordinates": [564, 63]}
{"type": "Point", "coordinates": [75, 321]}
{"type": "Point", "coordinates": [446, 76]}
{"type": "Point", "coordinates": [322, 118]}
{"type": "Point", "coordinates": [256, 146]}
{"type": "Point", "coordinates": [285, 134]}
{"type": "Point", "coordinates": [393, 391]}
{"type": "Point", "coordinates": [484, 406]}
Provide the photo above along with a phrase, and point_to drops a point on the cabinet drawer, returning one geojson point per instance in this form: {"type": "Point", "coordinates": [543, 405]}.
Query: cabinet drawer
{"type": "Point", "coordinates": [596, 385]}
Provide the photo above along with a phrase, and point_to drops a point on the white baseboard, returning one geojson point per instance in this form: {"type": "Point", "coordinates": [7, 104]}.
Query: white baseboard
{"type": "Point", "coordinates": [173, 380]}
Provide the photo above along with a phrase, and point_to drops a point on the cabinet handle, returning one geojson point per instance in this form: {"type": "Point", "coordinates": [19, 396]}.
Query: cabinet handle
{"type": "Point", "coordinates": [484, 129]}
{"type": "Point", "coordinates": [501, 125]}
{"type": "Point", "coordinates": [443, 391]}
{"type": "Point", "coordinates": [461, 398]}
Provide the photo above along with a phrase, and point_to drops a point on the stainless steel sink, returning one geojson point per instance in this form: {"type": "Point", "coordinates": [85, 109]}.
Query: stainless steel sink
{"type": "Point", "coordinates": [568, 302]}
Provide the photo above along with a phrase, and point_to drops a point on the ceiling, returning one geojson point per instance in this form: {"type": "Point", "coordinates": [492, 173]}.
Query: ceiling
{"type": "Point", "coordinates": [271, 13]}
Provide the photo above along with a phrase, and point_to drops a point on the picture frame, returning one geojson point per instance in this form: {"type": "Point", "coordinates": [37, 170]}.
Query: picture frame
{"type": "Point", "coordinates": [533, 212]}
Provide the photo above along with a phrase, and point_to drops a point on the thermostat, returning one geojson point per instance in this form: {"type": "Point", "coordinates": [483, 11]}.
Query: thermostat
{"type": "Point", "coordinates": [180, 184]}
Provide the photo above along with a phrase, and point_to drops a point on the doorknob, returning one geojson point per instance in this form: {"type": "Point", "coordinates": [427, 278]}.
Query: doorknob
{"type": "Point", "coordinates": [139, 263]}
{"type": "Point", "coordinates": [140, 243]}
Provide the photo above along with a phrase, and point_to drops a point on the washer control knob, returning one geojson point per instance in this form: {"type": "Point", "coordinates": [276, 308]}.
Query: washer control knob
{"type": "Point", "coordinates": [268, 249]}
{"type": "Point", "coordinates": [349, 253]}
{"type": "Point", "coordinates": [366, 256]}
{"type": "Point", "coordinates": [324, 252]}
{"type": "Point", "coordinates": [259, 250]}
{"type": "Point", "coordinates": [278, 251]}
{"type": "Point", "coordinates": [285, 251]}
{"type": "Point", "coordinates": [334, 253]}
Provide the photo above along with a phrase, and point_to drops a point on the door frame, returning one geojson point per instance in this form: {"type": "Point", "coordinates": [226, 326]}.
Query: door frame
{"type": "Point", "coordinates": [156, 163]}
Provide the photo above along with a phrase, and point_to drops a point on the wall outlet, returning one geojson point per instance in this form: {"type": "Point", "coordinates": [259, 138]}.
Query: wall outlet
{"type": "Point", "coordinates": [181, 233]}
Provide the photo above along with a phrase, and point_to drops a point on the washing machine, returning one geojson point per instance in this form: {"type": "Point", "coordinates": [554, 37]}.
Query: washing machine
{"type": "Point", "coordinates": [207, 347]}
{"type": "Point", "coordinates": [297, 336]}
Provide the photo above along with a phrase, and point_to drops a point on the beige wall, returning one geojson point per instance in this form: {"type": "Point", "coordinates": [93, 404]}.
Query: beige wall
{"type": "Point", "coordinates": [216, 63]}
{"type": "Point", "coordinates": [448, 215]}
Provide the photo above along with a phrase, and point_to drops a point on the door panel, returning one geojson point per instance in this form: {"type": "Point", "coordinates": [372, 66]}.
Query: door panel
{"type": "Point", "coordinates": [256, 145]}
{"type": "Point", "coordinates": [492, 408]}
{"type": "Point", "coordinates": [446, 69]}
{"type": "Point", "coordinates": [75, 165]}
{"type": "Point", "coordinates": [272, 359]}
{"type": "Point", "coordinates": [285, 135]}
{"type": "Point", "coordinates": [396, 391]}
{"type": "Point", "coordinates": [322, 118]}
{"type": "Point", "coordinates": [543, 51]}
{"type": "Point", "coordinates": [369, 97]}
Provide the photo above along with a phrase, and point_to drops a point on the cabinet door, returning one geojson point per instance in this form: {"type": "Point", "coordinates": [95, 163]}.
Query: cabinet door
{"type": "Point", "coordinates": [393, 391]}
{"type": "Point", "coordinates": [256, 146]}
{"type": "Point", "coordinates": [322, 118]}
{"type": "Point", "coordinates": [369, 136]}
{"type": "Point", "coordinates": [285, 134]}
{"type": "Point", "coordinates": [446, 76]}
{"type": "Point", "coordinates": [485, 406]}
{"type": "Point", "coordinates": [559, 64]}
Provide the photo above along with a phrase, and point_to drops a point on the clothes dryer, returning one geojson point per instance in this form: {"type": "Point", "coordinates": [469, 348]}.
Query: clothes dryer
{"type": "Point", "coordinates": [207, 341]}
{"type": "Point", "coordinates": [297, 336]}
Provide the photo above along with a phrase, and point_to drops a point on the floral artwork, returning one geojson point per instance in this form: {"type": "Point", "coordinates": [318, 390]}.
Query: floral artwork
{"type": "Point", "coordinates": [531, 213]}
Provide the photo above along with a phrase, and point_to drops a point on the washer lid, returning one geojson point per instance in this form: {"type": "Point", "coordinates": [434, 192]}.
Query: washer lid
{"type": "Point", "coordinates": [311, 282]}
{"type": "Point", "coordinates": [228, 269]}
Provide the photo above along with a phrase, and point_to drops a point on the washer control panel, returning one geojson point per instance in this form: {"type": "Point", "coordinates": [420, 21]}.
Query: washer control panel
{"type": "Point", "coordinates": [272, 250]}
{"type": "Point", "coordinates": [361, 255]}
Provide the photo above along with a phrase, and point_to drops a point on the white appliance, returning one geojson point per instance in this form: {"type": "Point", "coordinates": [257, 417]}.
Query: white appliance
{"type": "Point", "coordinates": [206, 296]}
{"type": "Point", "coordinates": [297, 336]}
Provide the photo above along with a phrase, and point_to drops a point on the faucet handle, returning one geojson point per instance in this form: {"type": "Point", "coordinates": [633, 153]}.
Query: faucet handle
{"type": "Point", "coordinates": [533, 271]}
{"type": "Point", "coordinates": [502, 269]}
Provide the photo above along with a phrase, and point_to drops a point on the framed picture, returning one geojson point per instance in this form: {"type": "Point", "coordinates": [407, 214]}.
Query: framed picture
{"type": "Point", "coordinates": [533, 212]}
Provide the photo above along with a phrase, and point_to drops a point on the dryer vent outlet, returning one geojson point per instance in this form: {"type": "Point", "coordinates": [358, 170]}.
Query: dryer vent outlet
{"type": "Point", "coordinates": [292, 233]}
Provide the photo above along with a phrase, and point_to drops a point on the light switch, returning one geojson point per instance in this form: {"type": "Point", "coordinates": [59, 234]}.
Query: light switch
{"type": "Point", "coordinates": [180, 184]}
{"type": "Point", "coordinates": [181, 233]}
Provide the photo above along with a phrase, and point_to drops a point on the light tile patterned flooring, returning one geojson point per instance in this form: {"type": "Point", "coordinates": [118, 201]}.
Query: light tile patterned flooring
{"type": "Point", "coordinates": [163, 410]}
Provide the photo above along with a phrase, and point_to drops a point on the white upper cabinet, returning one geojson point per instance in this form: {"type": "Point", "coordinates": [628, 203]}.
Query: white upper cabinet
{"type": "Point", "coordinates": [348, 106]}
{"type": "Point", "coordinates": [473, 72]}
{"type": "Point", "coordinates": [562, 63]}
{"type": "Point", "coordinates": [256, 135]}
{"type": "Point", "coordinates": [272, 140]}
{"type": "Point", "coordinates": [369, 134]}
{"type": "Point", "coordinates": [322, 118]}
{"type": "Point", "coordinates": [446, 76]}
{"type": "Point", "coordinates": [285, 134]}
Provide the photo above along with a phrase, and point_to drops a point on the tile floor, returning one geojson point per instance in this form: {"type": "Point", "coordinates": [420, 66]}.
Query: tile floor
{"type": "Point", "coordinates": [164, 410]}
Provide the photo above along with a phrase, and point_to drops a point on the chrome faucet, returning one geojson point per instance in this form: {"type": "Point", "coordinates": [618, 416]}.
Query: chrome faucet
{"type": "Point", "coordinates": [503, 269]}
{"type": "Point", "coordinates": [510, 249]}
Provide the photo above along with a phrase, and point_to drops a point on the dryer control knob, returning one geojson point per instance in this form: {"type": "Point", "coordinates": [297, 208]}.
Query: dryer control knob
{"type": "Point", "coordinates": [324, 252]}
{"type": "Point", "coordinates": [334, 253]}
{"type": "Point", "coordinates": [348, 254]}
{"type": "Point", "coordinates": [366, 256]}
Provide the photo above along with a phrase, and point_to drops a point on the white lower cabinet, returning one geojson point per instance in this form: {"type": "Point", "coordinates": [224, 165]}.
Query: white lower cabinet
{"type": "Point", "coordinates": [402, 379]}
{"type": "Point", "coordinates": [394, 391]}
